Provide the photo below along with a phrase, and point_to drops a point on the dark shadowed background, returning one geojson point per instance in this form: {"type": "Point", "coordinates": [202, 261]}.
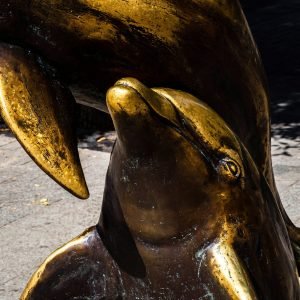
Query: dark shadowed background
{"type": "Point", "coordinates": [276, 28]}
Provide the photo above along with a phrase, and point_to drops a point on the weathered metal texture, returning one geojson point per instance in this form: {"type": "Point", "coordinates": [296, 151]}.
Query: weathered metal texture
{"type": "Point", "coordinates": [39, 112]}
{"type": "Point", "coordinates": [186, 213]}
{"type": "Point", "coordinates": [203, 47]}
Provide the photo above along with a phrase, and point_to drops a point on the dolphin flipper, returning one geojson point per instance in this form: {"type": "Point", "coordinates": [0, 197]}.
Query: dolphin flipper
{"type": "Point", "coordinates": [227, 271]}
{"type": "Point", "coordinates": [38, 110]}
{"type": "Point", "coordinates": [83, 257]}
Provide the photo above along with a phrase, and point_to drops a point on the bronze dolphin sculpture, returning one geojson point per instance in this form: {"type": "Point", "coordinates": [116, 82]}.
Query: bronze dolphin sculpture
{"type": "Point", "coordinates": [203, 47]}
{"type": "Point", "coordinates": [186, 213]}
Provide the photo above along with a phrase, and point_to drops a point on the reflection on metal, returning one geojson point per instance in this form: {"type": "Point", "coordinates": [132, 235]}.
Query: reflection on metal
{"type": "Point", "coordinates": [202, 47]}
{"type": "Point", "coordinates": [186, 213]}
{"type": "Point", "coordinates": [39, 111]}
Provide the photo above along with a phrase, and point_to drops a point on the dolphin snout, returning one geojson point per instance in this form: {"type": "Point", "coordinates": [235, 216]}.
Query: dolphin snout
{"type": "Point", "coordinates": [123, 99]}
{"type": "Point", "coordinates": [159, 104]}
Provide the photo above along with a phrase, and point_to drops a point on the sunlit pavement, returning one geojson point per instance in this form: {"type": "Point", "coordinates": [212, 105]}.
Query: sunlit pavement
{"type": "Point", "coordinates": [286, 165]}
{"type": "Point", "coordinates": [37, 215]}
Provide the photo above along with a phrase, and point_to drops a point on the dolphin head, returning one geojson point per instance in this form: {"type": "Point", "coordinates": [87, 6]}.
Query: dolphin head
{"type": "Point", "coordinates": [174, 162]}
{"type": "Point", "coordinates": [179, 175]}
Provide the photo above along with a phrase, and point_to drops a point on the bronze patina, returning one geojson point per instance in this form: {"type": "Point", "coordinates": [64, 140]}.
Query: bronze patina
{"type": "Point", "coordinates": [52, 48]}
{"type": "Point", "coordinates": [186, 213]}
{"type": "Point", "coordinates": [203, 47]}
{"type": "Point", "coordinates": [39, 111]}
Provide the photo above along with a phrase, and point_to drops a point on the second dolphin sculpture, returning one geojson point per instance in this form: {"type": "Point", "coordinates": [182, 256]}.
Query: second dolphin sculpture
{"type": "Point", "coordinates": [186, 213]}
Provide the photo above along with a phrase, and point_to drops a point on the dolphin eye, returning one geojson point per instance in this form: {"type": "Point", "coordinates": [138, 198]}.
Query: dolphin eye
{"type": "Point", "coordinates": [229, 169]}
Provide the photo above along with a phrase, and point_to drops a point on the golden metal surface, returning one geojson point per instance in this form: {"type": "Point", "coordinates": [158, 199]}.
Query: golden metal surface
{"type": "Point", "coordinates": [231, 273]}
{"type": "Point", "coordinates": [203, 47]}
{"type": "Point", "coordinates": [38, 111]}
{"type": "Point", "coordinates": [186, 213]}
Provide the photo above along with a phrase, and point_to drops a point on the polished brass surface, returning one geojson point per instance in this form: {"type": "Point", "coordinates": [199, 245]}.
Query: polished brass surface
{"type": "Point", "coordinates": [186, 213]}
{"type": "Point", "coordinates": [39, 112]}
{"type": "Point", "coordinates": [203, 47]}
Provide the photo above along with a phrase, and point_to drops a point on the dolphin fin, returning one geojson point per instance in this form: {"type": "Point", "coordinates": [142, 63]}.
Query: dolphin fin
{"type": "Point", "coordinates": [229, 272]}
{"type": "Point", "coordinates": [38, 110]}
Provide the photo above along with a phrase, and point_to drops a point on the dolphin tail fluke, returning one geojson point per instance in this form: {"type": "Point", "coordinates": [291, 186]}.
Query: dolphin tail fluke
{"type": "Point", "coordinates": [38, 110]}
{"type": "Point", "coordinates": [230, 273]}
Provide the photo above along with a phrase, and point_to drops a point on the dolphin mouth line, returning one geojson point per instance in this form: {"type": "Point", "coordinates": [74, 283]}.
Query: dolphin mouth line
{"type": "Point", "coordinates": [181, 127]}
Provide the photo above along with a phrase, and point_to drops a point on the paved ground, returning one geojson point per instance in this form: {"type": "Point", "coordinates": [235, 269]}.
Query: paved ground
{"type": "Point", "coordinates": [37, 216]}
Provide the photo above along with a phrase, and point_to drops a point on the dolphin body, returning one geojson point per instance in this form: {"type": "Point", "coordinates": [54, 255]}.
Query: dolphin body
{"type": "Point", "coordinates": [186, 213]}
